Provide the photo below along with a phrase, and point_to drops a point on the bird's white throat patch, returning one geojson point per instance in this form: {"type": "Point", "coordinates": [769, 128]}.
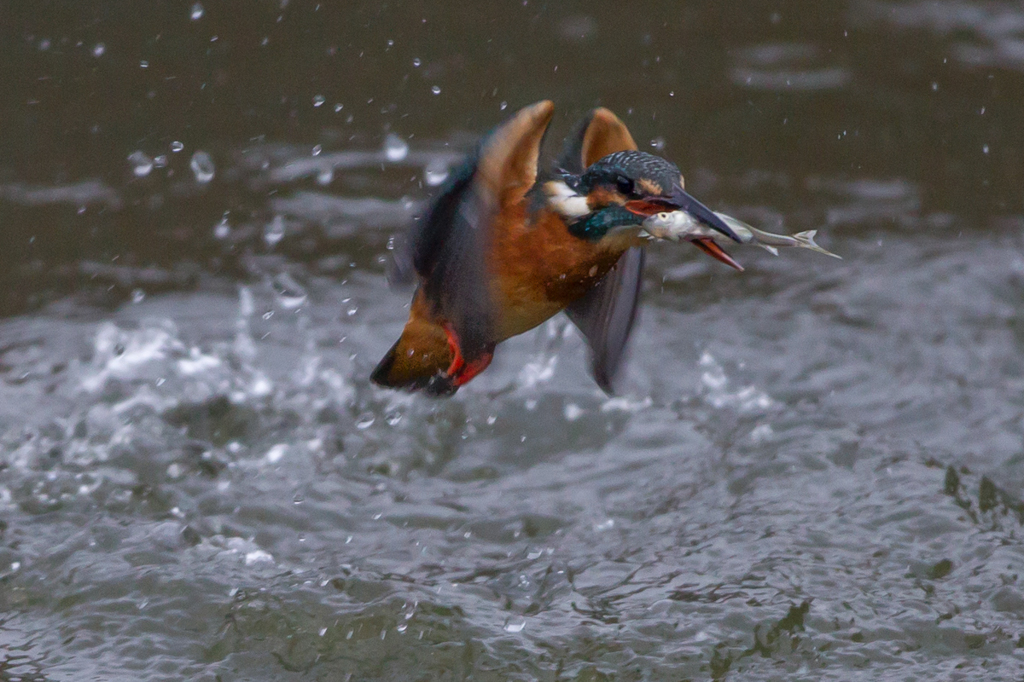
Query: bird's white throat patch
{"type": "Point", "coordinates": [565, 200]}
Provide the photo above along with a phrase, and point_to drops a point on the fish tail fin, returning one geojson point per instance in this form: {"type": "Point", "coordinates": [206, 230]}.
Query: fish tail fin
{"type": "Point", "coordinates": [806, 240]}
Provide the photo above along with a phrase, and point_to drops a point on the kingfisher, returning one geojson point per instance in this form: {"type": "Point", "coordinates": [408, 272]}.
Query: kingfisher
{"type": "Point", "coordinates": [504, 247]}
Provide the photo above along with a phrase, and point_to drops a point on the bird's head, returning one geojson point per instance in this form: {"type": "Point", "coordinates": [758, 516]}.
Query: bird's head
{"type": "Point", "coordinates": [619, 191]}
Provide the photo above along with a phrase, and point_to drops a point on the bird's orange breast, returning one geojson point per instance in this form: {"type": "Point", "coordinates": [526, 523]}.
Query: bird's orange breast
{"type": "Point", "coordinates": [538, 267]}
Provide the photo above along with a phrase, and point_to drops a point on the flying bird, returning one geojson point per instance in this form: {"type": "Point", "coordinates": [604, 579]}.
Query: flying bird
{"type": "Point", "coordinates": [503, 248]}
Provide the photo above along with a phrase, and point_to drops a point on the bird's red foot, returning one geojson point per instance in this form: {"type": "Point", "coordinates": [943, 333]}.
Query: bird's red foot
{"type": "Point", "coordinates": [462, 371]}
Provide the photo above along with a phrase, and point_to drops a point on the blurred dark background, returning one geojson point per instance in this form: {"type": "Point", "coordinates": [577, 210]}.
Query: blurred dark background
{"type": "Point", "coordinates": [925, 94]}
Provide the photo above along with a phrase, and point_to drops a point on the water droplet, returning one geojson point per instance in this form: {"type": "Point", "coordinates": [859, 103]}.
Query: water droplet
{"type": "Point", "coordinates": [138, 295]}
{"type": "Point", "coordinates": [160, 161]}
{"type": "Point", "coordinates": [267, 315]}
{"type": "Point", "coordinates": [44, 44]}
{"type": "Point", "coordinates": [202, 167]}
{"type": "Point", "coordinates": [276, 453]}
{"type": "Point", "coordinates": [935, 86]}
{"type": "Point", "coordinates": [402, 627]}
{"type": "Point", "coordinates": [338, 107]}
{"type": "Point", "coordinates": [177, 146]}
{"type": "Point", "coordinates": [141, 163]}
{"type": "Point", "coordinates": [98, 50]}
{"type": "Point", "coordinates": [435, 173]}
{"type": "Point", "coordinates": [290, 294]}
{"type": "Point", "coordinates": [395, 148]}
{"type": "Point", "coordinates": [352, 311]}
{"type": "Point", "coordinates": [317, 149]}
{"type": "Point", "coordinates": [319, 100]}
{"type": "Point", "coordinates": [515, 624]}
{"type": "Point", "coordinates": [298, 498]}
{"type": "Point", "coordinates": [393, 419]}
{"type": "Point", "coordinates": [197, 12]}
{"type": "Point", "coordinates": [572, 412]}
{"type": "Point", "coordinates": [416, 61]}
{"type": "Point", "coordinates": [325, 176]}
{"type": "Point", "coordinates": [143, 64]}
{"type": "Point", "coordinates": [436, 89]}
{"type": "Point", "coordinates": [503, 105]}
{"type": "Point", "coordinates": [222, 230]}
{"type": "Point", "coordinates": [273, 232]}
{"type": "Point", "coordinates": [365, 421]}
{"type": "Point", "coordinates": [984, 149]}
{"type": "Point", "coordinates": [323, 631]}
{"type": "Point", "coordinates": [658, 143]}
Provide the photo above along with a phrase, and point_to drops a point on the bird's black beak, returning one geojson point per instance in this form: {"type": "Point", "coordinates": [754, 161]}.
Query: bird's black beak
{"type": "Point", "coordinates": [683, 201]}
{"type": "Point", "coordinates": [679, 200]}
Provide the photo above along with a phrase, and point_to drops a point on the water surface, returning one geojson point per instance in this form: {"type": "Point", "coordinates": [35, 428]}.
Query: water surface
{"type": "Point", "coordinates": [815, 468]}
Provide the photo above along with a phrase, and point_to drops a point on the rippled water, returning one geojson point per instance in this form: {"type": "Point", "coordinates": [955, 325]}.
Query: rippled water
{"type": "Point", "coordinates": [814, 472]}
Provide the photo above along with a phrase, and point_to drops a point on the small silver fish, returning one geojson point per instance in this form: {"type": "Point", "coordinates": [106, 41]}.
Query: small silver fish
{"type": "Point", "coordinates": [677, 225]}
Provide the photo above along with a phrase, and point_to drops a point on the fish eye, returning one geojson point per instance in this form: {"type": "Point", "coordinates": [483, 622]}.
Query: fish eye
{"type": "Point", "coordinates": [624, 185]}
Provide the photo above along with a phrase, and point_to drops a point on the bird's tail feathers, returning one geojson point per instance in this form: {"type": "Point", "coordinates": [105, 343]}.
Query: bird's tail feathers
{"type": "Point", "coordinates": [417, 359]}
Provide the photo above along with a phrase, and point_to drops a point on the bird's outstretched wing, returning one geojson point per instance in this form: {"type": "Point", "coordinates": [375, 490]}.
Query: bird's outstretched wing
{"type": "Point", "coordinates": [450, 245]}
{"type": "Point", "coordinates": [606, 314]}
{"type": "Point", "coordinates": [448, 249]}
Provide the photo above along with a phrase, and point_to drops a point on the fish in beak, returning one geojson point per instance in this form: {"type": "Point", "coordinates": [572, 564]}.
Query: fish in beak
{"type": "Point", "coordinates": [679, 200]}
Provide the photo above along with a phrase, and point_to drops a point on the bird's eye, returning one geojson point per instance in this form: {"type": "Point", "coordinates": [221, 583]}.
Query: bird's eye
{"type": "Point", "coordinates": [624, 185]}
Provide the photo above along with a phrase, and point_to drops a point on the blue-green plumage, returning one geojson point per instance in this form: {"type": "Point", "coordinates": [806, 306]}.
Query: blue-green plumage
{"type": "Point", "coordinates": [597, 224]}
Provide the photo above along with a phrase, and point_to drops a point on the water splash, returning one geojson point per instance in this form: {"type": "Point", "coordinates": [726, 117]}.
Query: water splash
{"type": "Point", "coordinates": [202, 167]}
{"type": "Point", "coordinates": [222, 230]}
{"type": "Point", "coordinates": [435, 172]}
{"type": "Point", "coordinates": [276, 453]}
{"type": "Point", "coordinates": [244, 345]}
{"type": "Point", "coordinates": [288, 293]}
{"type": "Point", "coordinates": [197, 363]}
{"type": "Point", "coordinates": [514, 624]}
{"type": "Point", "coordinates": [325, 176]}
{"type": "Point", "coordinates": [540, 368]}
{"type": "Point", "coordinates": [142, 165]}
{"type": "Point", "coordinates": [395, 148]}
{"type": "Point", "coordinates": [717, 393]}
{"type": "Point", "coordinates": [274, 231]}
